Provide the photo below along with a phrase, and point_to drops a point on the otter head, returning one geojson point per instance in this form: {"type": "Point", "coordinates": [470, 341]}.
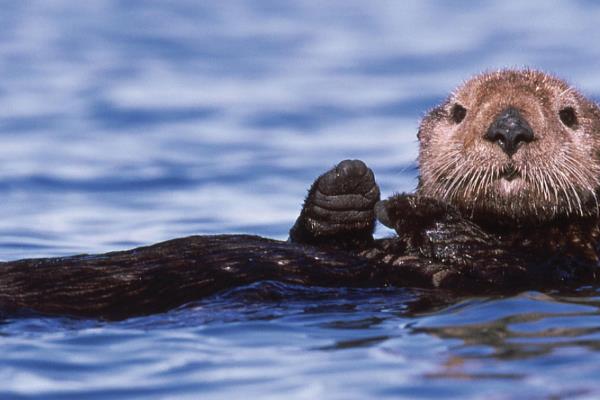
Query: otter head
{"type": "Point", "coordinates": [513, 146]}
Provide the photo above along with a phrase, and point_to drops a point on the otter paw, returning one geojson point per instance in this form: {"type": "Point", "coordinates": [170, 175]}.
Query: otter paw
{"type": "Point", "coordinates": [409, 212]}
{"type": "Point", "coordinates": [340, 203]}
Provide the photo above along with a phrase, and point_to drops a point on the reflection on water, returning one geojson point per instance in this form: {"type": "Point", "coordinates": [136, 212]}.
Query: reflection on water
{"type": "Point", "coordinates": [272, 339]}
{"type": "Point", "coordinates": [126, 123]}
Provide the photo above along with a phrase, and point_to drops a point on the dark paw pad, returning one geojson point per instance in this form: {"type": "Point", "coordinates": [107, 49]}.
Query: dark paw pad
{"type": "Point", "coordinates": [350, 186]}
{"type": "Point", "coordinates": [341, 202]}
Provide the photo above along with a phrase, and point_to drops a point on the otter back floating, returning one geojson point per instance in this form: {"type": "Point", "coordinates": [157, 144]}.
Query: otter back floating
{"type": "Point", "coordinates": [507, 200]}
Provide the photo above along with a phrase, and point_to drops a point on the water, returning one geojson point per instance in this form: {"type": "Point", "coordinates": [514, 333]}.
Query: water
{"type": "Point", "coordinates": [127, 123]}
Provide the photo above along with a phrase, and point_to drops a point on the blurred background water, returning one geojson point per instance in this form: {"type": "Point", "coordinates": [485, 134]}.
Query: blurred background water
{"type": "Point", "coordinates": [128, 123]}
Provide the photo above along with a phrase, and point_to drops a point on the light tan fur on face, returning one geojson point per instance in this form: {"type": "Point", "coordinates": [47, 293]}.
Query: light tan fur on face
{"type": "Point", "coordinates": [557, 174]}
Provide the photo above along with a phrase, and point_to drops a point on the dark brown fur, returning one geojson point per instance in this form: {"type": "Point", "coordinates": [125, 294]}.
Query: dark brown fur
{"type": "Point", "coordinates": [480, 222]}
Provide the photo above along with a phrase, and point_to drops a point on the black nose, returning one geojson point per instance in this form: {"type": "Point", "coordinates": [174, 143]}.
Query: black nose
{"type": "Point", "coordinates": [509, 130]}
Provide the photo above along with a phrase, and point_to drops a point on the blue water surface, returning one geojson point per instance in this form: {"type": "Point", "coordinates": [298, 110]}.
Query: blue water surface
{"type": "Point", "coordinates": [124, 123]}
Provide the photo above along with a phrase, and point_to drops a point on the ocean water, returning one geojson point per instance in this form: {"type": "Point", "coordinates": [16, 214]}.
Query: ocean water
{"type": "Point", "coordinates": [128, 123]}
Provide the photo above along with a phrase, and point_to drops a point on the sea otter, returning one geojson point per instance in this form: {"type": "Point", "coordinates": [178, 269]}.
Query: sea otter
{"type": "Point", "coordinates": [507, 200]}
{"type": "Point", "coordinates": [507, 196]}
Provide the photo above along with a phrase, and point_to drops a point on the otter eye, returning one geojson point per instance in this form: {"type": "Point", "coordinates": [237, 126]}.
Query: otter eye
{"type": "Point", "coordinates": [458, 113]}
{"type": "Point", "coordinates": [568, 116]}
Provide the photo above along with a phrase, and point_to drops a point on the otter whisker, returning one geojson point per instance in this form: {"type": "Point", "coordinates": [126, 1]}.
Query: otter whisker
{"type": "Point", "coordinates": [593, 174]}
{"type": "Point", "coordinates": [476, 183]}
{"type": "Point", "coordinates": [528, 153]}
{"type": "Point", "coordinates": [469, 186]}
{"type": "Point", "coordinates": [453, 190]}
{"type": "Point", "coordinates": [450, 180]}
{"type": "Point", "coordinates": [483, 181]}
{"type": "Point", "coordinates": [553, 188]}
{"type": "Point", "coordinates": [539, 183]}
{"type": "Point", "coordinates": [586, 183]}
{"type": "Point", "coordinates": [442, 169]}
{"type": "Point", "coordinates": [564, 187]}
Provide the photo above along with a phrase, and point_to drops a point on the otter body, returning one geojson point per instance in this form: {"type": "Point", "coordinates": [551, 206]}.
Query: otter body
{"type": "Point", "coordinates": [507, 200]}
{"type": "Point", "coordinates": [507, 195]}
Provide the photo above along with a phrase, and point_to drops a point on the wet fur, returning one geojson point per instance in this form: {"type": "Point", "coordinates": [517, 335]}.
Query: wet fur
{"type": "Point", "coordinates": [457, 232]}
{"type": "Point", "coordinates": [560, 169]}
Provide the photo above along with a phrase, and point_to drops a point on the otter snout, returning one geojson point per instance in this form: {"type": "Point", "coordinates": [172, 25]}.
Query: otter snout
{"type": "Point", "coordinates": [509, 130]}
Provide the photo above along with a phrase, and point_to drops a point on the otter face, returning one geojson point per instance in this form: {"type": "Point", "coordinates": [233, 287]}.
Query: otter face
{"type": "Point", "coordinates": [513, 146]}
